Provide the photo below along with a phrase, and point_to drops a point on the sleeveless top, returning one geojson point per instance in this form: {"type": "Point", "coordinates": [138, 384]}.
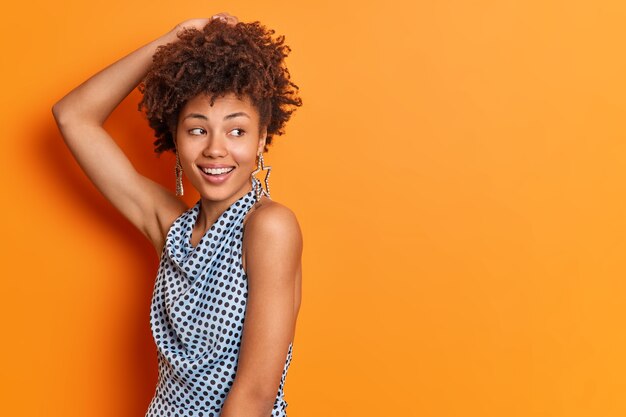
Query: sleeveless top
{"type": "Point", "coordinates": [197, 314]}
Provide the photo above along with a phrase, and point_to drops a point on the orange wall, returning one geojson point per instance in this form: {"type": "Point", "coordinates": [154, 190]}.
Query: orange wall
{"type": "Point", "coordinates": [458, 172]}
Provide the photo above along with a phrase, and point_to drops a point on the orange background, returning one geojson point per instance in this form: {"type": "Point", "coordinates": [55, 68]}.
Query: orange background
{"type": "Point", "coordinates": [458, 172]}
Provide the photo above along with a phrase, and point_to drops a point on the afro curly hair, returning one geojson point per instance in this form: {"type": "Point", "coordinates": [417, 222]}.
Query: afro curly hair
{"type": "Point", "coordinates": [242, 59]}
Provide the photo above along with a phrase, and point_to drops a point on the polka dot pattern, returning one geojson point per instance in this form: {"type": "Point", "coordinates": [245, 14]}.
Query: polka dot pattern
{"type": "Point", "coordinates": [197, 314]}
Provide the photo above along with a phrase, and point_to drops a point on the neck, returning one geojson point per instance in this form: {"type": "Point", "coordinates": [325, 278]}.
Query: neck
{"type": "Point", "coordinates": [211, 210]}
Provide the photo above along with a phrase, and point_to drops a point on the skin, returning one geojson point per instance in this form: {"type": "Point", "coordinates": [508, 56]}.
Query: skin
{"type": "Point", "coordinates": [272, 243]}
{"type": "Point", "coordinates": [224, 134]}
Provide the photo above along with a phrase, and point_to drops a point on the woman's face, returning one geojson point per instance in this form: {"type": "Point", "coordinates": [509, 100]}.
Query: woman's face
{"type": "Point", "coordinates": [217, 145]}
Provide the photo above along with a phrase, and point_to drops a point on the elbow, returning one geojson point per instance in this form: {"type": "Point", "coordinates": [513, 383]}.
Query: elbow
{"type": "Point", "coordinates": [68, 116]}
{"type": "Point", "coordinates": [266, 400]}
{"type": "Point", "coordinates": [62, 115]}
{"type": "Point", "coordinates": [55, 110]}
{"type": "Point", "coordinates": [66, 121]}
{"type": "Point", "coordinates": [248, 401]}
{"type": "Point", "coordinates": [58, 114]}
{"type": "Point", "coordinates": [262, 398]}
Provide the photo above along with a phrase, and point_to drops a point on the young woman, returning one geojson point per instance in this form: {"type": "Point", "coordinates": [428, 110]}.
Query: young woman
{"type": "Point", "coordinates": [215, 91]}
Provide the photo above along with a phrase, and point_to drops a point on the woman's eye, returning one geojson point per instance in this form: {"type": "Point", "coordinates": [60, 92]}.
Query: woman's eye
{"type": "Point", "coordinates": [197, 131]}
{"type": "Point", "coordinates": [238, 132]}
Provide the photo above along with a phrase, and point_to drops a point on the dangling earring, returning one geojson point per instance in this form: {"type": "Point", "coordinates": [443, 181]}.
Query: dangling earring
{"type": "Point", "coordinates": [179, 175]}
{"type": "Point", "coordinates": [256, 184]}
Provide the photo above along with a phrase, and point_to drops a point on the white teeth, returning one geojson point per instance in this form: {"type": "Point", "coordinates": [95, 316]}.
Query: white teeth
{"type": "Point", "coordinates": [217, 171]}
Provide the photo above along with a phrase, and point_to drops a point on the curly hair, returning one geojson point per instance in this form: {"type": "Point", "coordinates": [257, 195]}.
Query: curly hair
{"type": "Point", "coordinates": [243, 59]}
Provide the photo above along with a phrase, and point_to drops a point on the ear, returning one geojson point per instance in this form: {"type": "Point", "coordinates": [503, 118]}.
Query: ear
{"type": "Point", "coordinates": [262, 139]}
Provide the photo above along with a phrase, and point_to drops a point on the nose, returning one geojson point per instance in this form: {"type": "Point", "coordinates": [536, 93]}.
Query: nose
{"type": "Point", "coordinates": [215, 147]}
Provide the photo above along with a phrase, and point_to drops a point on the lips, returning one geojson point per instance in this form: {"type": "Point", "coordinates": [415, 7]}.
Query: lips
{"type": "Point", "coordinates": [216, 171]}
{"type": "Point", "coordinates": [216, 174]}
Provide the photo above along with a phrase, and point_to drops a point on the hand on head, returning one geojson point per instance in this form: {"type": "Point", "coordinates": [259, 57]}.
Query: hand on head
{"type": "Point", "coordinates": [226, 17]}
{"type": "Point", "coordinates": [200, 23]}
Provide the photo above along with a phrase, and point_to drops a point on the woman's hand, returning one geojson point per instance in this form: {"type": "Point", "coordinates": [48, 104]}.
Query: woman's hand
{"type": "Point", "coordinates": [226, 17]}
{"type": "Point", "coordinates": [202, 22]}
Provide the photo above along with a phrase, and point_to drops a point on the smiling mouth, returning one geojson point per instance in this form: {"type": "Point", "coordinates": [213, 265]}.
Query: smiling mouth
{"type": "Point", "coordinates": [216, 171]}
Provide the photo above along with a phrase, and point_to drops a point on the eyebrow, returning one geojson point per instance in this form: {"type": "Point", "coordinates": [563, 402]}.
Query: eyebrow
{"type": "Point", "coordinates": [227, 117]}
{"type": "Point", "coordinates": [238, 114]}
{"type": "Point", "coordinates": [195, 116]}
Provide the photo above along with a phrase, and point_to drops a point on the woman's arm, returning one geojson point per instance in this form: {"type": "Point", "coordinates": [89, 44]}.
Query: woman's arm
{"type": "Point", "coordinates": [80, 116]}
{"type": "Point", "coordinates": [273, 243]}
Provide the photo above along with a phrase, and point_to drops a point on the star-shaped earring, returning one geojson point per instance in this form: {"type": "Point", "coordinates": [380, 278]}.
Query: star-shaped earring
{"type": "Point", "coordinates": [261, 167]}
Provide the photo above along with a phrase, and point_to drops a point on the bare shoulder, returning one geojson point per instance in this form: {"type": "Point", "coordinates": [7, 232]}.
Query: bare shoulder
{"type": "Point", "coordinates": [271, 219]}
{"type": "Point", "coordinates": [271, 229]}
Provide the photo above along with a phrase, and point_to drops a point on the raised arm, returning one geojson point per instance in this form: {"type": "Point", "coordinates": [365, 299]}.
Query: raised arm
{"type": "Point", "coordinates": [80, 116]}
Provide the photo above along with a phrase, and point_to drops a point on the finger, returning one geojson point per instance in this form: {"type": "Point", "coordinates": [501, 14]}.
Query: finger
{"type": "Point", "coordinates": [228, 16]}
{"type": "Point", "coordinates": [222, 16]}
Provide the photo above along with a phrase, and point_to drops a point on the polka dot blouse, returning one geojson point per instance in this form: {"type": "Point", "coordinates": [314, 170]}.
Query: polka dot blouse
{"type": "Point", "coordinates": [197, 314]}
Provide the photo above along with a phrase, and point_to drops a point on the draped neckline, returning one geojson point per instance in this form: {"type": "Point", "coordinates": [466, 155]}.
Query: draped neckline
{"type": "Point", "coordinates": [178, 241]}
